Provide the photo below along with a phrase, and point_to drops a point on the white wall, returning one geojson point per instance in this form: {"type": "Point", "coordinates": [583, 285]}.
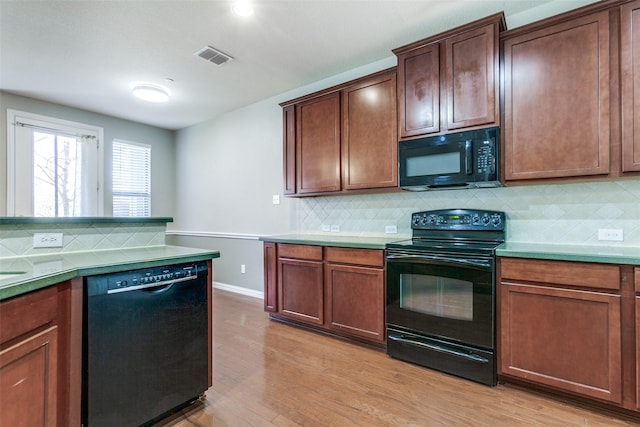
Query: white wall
{"type": "Point", "coordinates": [161, 141]}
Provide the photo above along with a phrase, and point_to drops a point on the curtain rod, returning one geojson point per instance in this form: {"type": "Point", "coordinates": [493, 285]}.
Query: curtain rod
{"type": "Point", "coordinates": [58, 131]}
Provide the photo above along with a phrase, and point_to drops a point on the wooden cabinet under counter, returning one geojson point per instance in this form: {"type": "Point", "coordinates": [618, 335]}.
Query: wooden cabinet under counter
{"type": "Point", "coordinates": [571, 327]}
{"type": "Point", "coordinates": [40, 357]}
{"type": "Point", "coordinates": [332, 289]}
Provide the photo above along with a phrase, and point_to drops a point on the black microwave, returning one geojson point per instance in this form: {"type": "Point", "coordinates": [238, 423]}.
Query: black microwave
{"type": "Point", "coordinates": [466, 159]}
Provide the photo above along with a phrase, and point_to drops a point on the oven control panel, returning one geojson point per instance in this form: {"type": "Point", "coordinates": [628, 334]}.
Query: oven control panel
{"type": "Point", "coordinates": [458, 219]}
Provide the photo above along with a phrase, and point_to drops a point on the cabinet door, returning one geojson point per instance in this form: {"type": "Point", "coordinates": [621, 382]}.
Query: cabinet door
{"type": "Point", "coordinates": [289, 149]}
{"type": "Point", "coordinates": [556, 100]}
{"type": "Point", "coordinates": [355, 301]}
{"type": "Point", "coordinates": [566, 339]}
{"type": "Point", "coordinates": [369, 134]}
{"type": "Point", "coordinates": [28, 380]}
{"type": "Point", "coordinates": [300, 290]}
{"type": "Point", "coordinates": [419, 91]}
{"type": "Point", "coordinates": [630, 82]}
{"type": "Point", "coordinates": [318, 144]}
{"type": "Point", "coordinates": [270, 278]}
{"type": "Point", "coordinates": [470, 78]}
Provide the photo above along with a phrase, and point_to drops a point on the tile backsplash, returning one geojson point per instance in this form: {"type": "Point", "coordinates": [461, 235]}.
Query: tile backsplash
{"type": "Point", "coordinates": [17, 240]}
{"type": "Point", "coordinates": [567, 213]}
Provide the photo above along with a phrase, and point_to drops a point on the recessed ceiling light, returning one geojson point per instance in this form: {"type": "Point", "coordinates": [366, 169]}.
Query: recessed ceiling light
{"type": "Point", "coordinates": [242, 8]}
{"type": "Point", "coordinates": [150, 92]}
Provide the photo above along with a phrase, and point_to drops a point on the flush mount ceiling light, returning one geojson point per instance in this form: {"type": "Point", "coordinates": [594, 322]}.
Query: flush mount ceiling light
{"type": "Point", "coordinates": [150, 92]}
{"type": "Point", "coordinates": [242, 8]}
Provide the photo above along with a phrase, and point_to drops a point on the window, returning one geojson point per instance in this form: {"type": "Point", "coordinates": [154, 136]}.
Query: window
{"type": "Point", "coordinates": [53, 167]}
{"type": "Point", "coordinates": [131, 179]}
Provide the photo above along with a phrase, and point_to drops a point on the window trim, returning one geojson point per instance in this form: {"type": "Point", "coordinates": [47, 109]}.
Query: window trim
{"type": "Point", "coordinates": [65, 125]}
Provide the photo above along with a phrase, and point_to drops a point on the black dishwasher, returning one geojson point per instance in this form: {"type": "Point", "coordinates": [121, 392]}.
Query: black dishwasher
{"type": "Point", "coordinates": [145, 344]}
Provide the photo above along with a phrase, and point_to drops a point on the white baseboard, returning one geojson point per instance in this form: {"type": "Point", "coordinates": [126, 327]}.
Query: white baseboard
{"type": "Point", "coordinates": [239, 290]}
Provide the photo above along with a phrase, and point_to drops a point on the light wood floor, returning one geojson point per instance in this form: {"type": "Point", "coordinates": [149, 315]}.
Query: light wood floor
{"type": "Point", "coordinates": [270, 374]}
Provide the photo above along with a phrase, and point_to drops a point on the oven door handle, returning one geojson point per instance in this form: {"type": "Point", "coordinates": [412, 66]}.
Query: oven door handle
{"type": "Point", "coordinates": [429, 259]}
{"type": "Point", "coordinates": [471, 356]}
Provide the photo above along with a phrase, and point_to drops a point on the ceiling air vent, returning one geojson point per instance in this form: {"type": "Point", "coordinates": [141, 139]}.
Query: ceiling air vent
{"type": "Point", "coordinates": [211, 54]}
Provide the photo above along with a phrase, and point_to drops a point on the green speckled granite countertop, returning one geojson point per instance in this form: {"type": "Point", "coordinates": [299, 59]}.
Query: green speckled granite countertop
{"type": "Point", "coordinates": [339, 241]}
{"type": "Point", "coordinates": [29, 273]}
{"type": "Point", "coordinates": [604, 254]}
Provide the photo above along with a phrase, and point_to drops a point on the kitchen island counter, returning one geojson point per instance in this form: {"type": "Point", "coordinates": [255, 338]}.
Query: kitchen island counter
{"type": "Point", "coordinates": [19, 275]}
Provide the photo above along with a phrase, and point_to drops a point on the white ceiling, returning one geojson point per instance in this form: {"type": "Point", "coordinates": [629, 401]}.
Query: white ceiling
{"type": "Point", "coordinates": [85, 53]}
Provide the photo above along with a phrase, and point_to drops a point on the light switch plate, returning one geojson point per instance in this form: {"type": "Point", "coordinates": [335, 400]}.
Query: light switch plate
{"type": "Point", "coordinates": [335, 228]}
{"type": "Point", "coordinates": [391, 229]}
{"type": "Point", "coordinates": [47, 240]}
{"type": "Point", "coordinates": [276, 199]}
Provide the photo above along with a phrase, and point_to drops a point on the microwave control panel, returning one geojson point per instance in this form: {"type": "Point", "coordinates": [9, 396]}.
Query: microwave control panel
{"type": "Point", "coordinates": [485, 158]}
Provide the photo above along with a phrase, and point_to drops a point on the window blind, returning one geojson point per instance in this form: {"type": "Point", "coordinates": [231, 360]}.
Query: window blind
{"type": "Point", "coordinates": [131, 179]}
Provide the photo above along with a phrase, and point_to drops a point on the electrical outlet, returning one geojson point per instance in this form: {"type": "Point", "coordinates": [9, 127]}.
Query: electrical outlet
{"type": "Point", "coordinates": [276, 199]}
{"type": "Point", "coordinates": [612, 234]}
{"type": "Point", "coordinates": [243, 269]}
{"type": "Point", "coordinates": [47, 240]}
{"type": "Point", "coordinates": [391, 229]}
{"type": "Point", "coordinates": [326, 227]}
{"type": "Point", "coordinates": [335, 228]}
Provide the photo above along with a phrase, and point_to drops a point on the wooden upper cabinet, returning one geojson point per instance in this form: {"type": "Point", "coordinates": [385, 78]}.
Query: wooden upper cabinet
{"type": "Point", "coordinates": [450, 81]}
{"type": "Point", "coordinates": [557, 99]}
{"type": "Point", "coordinates": [318, 144]}
{"type": "Point", "coordinates": [289, 148]}
{"type": "Point", "coordinates": [419, 91]}
{"type": "Point", "coordinates": [369, 136]}
{"type": "Point", "coordinates": [470, 78]}
{"type": "Point", "coordinates": [630, 82]}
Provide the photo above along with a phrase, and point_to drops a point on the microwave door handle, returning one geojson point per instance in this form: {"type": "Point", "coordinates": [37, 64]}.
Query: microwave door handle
{"type": "Point", "coordinates": [468, 158]}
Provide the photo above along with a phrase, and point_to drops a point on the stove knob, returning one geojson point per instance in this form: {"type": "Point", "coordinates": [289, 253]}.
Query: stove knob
{"type": "Point", "coordinates": [486, 220]}
{"type": "Point", "coordinates": [433, 219]}
{"type": "Point", "coordinates": [475, 220]}
{"type": "Point", "coordinates": [496, 220]}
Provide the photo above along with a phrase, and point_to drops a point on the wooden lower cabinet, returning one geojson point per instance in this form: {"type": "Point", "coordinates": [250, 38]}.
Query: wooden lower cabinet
{"type": "Point", "coordinates": [40, 357]}
{"type": "Point", "coordinates": [562, 325]}
{"type": "Point", "coordinates": [339, 290]}
{"type": "Point", "coordinates": [28, 380]}
{"type": "Point", "coordinates": [355, 299]}
{"type": "Point", "coordinates": [300, 290]}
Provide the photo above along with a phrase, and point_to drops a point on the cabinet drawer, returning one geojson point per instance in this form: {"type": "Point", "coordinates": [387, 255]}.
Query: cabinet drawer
{"type": "Point", "coordinates": [372, 257]}
{"type": "Point", "coordinates": [286, 250]}
{"type": "Point", "coordinates": [26, 313]}
{"type": "Point", "coordinates": [579, 274]}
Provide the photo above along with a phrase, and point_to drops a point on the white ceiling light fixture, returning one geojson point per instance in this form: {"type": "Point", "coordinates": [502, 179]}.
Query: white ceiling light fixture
{"type": "Point", "coordinates": [242, 8]}
{"type": "Point", "coordinates": [150, 92]}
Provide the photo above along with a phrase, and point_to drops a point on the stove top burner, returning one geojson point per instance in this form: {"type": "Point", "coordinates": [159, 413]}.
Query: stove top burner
{"type": "Point", "coordinates": [454, 231]}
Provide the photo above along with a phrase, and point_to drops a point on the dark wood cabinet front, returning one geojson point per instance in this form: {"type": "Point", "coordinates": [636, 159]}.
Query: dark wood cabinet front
{"type": "Point", "coordinates": [354, 288]}
{"type": "Point", "coordinates": [318, 144]}
{"type": "Point", "coordinates": [40, 356]}
{"type": "Point", "coordinates": [450, 81]}
{"type": "Point", "coordinates": [630, 85]}
{"type": "Point", "coordinates": [270, 277]}
{"type": "Point", "coordinates": [369, 136]}
{"type": "Point", "coordinates": [289, 149]}
{"type": "Point", "coordinates": [334, 289]}
{"type": "Point", "coordinates": [419, 91]}
{"type": "Point", "coordinates": [471, 78]}
{"type": "Point", "coordinates": [28, 380]}
{"type": "Point", "coordinates": [557, 100]}
{"type": "Point", "coordinates": [556, 331]}
{"type": "Point", "coordinates": [300, 283]}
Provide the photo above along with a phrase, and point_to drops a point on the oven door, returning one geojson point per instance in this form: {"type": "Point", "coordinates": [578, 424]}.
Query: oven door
{"type": "Point", "coordinates": [442, 296]}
